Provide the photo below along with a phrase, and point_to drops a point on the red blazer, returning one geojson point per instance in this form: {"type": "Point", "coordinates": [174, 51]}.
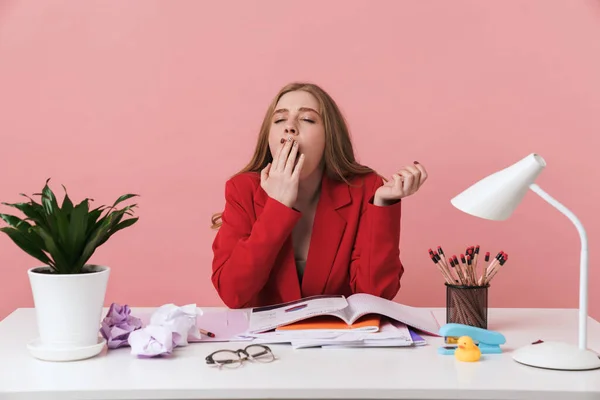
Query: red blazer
{"type": "Point", "coordinates": [354, 245]}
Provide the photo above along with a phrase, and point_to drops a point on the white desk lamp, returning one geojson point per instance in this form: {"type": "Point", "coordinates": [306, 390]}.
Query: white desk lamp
{"type": "Point", "coordinates": [495, 197]}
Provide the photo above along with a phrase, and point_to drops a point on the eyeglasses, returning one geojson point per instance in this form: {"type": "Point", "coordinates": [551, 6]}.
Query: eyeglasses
{"type": "Point", "coordinates": [235, 358]}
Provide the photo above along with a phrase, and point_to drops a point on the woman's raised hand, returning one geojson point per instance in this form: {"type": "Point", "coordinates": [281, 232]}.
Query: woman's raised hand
{"type": "Point", "coordinates": [280, 178]}
{"type": "Point", "coordinates": [405, 182]}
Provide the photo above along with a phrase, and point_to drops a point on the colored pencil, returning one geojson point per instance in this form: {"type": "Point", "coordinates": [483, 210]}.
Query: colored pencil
{"type": "Point", "coordinates": [463, 269]}
{"type": "Point", "coordinates": [495, 271]}
{"type": "Point", "coordinates": [207, 333]}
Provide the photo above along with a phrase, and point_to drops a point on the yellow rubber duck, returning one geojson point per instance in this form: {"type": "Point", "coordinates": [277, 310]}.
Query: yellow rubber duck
{"type": "Point", "coordinates": [467, 350]}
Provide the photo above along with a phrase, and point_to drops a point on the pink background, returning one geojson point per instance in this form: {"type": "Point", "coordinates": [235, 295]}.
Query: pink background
{"type": "Point", "coordinates": [165, 99]}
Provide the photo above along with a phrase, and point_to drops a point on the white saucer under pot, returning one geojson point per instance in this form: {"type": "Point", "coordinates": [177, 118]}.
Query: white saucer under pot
{"type": "Point", "coordinates": [56, 353]}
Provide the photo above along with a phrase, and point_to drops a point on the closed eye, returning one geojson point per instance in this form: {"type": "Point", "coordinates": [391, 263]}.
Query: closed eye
{"type": "Point", "coordinates": [310, 121]}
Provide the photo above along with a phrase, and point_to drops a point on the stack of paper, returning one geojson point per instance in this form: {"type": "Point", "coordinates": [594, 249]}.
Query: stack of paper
{"type": "Point", "coordinates": [390, 334]}
{"type": "Point", "coordinates": [361, 320]}
{"type": "Point", "coordinates": [350, 313]}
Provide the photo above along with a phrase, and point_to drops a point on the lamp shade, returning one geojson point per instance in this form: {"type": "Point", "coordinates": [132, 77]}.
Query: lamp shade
{"type": "Point", "coordinates": [496, 196]}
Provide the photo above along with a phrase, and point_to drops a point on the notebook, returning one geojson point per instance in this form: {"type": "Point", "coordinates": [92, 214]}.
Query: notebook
{"type": "Point", "coordinates": [347, 310]}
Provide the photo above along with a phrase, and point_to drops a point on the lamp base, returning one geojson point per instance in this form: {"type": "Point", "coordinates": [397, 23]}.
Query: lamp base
{"type": "Point", "coordinates": [557, 355]}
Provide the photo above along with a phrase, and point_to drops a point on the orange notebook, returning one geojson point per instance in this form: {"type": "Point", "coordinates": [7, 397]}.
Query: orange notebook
{"type": "Point", "coordinates": [366, 323]}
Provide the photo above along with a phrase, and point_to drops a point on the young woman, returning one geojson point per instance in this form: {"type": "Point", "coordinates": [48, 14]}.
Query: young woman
{"type": "Point", "coordinates": [304, 218]}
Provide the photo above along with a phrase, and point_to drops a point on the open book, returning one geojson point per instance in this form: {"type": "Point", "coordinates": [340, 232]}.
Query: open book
{"type": "Point", "coordinates": [330, 323]}
{"type": "Point", "coordinates": [348, 310]}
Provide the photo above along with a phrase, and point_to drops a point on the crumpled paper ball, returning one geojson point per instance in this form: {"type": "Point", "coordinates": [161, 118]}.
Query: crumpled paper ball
{"type": "Point", "coordinates": [118, 325]}
{"type": "Point", "coordinates": [152, 341]}
{"type": "Point", "coordinates": [180, 320]}
{"type": "Point", "coordinates": [170, 326]}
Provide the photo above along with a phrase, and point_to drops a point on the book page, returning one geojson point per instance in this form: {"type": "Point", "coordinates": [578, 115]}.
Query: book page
{"type": "Point", "coordinates": [329, 323]}
{"type": "Point", "coordinates": [420, 318]}
{"type": "Point", "coordinates": [392, 334]}
{"type": "Point", "coordinates": [263, 319]}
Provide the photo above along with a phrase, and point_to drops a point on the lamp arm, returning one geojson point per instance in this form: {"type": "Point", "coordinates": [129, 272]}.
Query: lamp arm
{"type": "Point", "coordinates": [583, 263]}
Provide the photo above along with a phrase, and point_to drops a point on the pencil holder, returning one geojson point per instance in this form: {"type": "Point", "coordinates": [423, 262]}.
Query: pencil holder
{"type": "Point", "coordinates": [467, 305]}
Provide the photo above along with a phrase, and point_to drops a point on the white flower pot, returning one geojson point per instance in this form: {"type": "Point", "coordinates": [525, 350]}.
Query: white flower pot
{"type": "Point", "coordinates": [68, 311]}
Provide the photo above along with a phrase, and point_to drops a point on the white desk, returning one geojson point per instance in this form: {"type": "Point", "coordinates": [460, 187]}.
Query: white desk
{"type": "Point", "coordinates": [397, 373]}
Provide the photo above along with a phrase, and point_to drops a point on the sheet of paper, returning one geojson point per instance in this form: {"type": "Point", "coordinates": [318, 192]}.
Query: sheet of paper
{"type": "Point", "coordinates": [418, 318]}
{"type": "Point", "coordinates": [267, 318]}
{"type": "Point", "coordinates": [374, 343]}
{"type": "Point", "coordinates": [416, 338]}
{"type": "Point", "coordinates": [287, 336]}
{"type": "Point", "coordinates": [390, 329]}
{"type": "Point", "coordinates": [392, 333]}
{"type": "Point", "coordinates": [323, 343]}
{"type": "Point", "coordinates": [227, 325]}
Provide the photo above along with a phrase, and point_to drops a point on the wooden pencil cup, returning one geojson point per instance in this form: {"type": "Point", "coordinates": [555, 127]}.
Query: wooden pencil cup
{"type": "Point", "coordinates": [467, 305]}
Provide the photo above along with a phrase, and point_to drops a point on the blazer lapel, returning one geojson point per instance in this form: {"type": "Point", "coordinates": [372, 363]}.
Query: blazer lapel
{"type": "Point", "coordinates": [328, 229]}
{"type": "Point", "coordinates": [286, 269]}
{"type": "Point", "coordinates": [260, 199]}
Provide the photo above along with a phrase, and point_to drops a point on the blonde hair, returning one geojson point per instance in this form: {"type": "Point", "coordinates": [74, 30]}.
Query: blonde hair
{"type": "Point", "coordinates": [340, 163]}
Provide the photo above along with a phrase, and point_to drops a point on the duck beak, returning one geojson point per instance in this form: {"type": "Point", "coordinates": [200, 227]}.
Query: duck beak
{"type": "Point", "coordinates": [460, 346]}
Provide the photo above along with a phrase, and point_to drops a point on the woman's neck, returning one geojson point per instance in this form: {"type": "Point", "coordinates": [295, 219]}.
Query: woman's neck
{"type": "Point", "coordinates": [309, 189]}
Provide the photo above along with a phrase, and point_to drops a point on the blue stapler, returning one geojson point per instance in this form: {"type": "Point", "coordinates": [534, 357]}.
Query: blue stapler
{"type": "Point", "coordinates": [488, 341]}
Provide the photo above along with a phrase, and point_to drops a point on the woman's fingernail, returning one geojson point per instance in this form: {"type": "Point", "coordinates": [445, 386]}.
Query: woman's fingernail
{"type": "Point", "coordinates": [415, 162]}
{"type": "Point", "coordinates": [282, 140]}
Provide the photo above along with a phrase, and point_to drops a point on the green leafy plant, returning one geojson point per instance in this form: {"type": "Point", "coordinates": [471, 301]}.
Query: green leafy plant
{"type": "Point", "coordinates": [65, 237]}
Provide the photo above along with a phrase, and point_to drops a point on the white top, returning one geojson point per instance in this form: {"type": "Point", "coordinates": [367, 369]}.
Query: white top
{"type": "Point", "coordinates": [401, 373]}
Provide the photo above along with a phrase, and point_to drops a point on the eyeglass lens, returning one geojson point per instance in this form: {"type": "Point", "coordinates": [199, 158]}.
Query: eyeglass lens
{"type": "Point", "coordinates": [260, 353]}
{"type": "Point", "coordinates": [227, 358]}
{"type": "Point", "coordinates": [233, 359]}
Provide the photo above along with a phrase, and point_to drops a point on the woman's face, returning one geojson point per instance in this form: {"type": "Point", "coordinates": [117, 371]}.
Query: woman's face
{"type": "Point", "coordinates": [297, 116]}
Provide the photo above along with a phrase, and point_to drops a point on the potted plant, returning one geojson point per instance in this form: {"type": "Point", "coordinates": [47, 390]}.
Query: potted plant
{"type": "Point", "coordinates": [68, 293]}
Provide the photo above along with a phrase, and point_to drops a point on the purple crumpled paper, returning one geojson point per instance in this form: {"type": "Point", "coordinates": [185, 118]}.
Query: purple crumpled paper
{"type": "Point", "coordinates": [118, 325]}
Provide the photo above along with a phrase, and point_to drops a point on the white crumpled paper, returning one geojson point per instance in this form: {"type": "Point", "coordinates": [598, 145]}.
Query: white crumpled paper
{"type": "Point", "coordinates": [170, 326]}
{"type": "Point", "coordinates": [151, 341]}
{"type": "Point", "coordinates": [180, 320]}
